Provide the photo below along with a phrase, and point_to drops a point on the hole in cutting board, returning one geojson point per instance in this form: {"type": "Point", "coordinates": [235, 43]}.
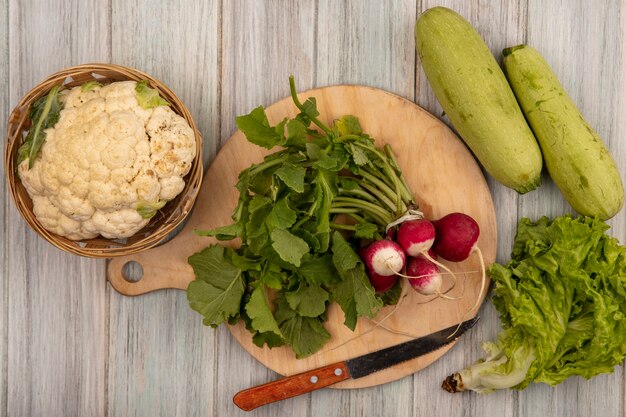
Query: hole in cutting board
{"type": "Point", "coordinates": [132, 271]}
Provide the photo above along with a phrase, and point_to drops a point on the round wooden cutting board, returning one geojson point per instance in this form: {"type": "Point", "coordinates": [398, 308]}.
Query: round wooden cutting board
{"type": "Point", "coordinates": [439, 168]}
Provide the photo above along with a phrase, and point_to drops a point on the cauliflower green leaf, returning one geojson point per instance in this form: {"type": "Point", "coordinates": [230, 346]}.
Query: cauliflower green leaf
{"type": "Point", "coordinates": [147, 97]}
{"type": "Point", "coordinates": [44, 113]}
{"type": "Point", "coordinates": [148, 210]}
{"type": "Point", "coordinates": [90, 85]}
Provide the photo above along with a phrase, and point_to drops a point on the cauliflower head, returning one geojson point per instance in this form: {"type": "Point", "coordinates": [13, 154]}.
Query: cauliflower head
{"type": "Point", "coordinates": [115, 156]}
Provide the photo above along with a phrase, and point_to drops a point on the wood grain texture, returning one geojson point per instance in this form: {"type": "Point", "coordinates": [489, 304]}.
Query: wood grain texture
{"type": "Point", "coordinates": [370, 43]}
{"type": "Point", "coordinates": [413, 133]}
{"type": "Point", "coordinates": [224, 58]}
{"type": "Point", "coordinates": [367, 43]}
{"type": "Point", "coordinates": [4, 282]}
{"type": "Point", "coordinates": [500, 24]}
{"type": "Point", "coordinates": [161, 360]}
{"type": "Point", "coordinates": [180, 47]}
{"type": "Point", "coordinates": [586, 66]}
{"type": "Point", "coordinates": [56, 302]}
{"type": "Point", "coordinates": [263, 42]}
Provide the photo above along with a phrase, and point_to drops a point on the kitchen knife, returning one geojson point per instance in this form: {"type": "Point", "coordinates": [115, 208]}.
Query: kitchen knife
{"type": "Point", "coordinates": [359, 367]}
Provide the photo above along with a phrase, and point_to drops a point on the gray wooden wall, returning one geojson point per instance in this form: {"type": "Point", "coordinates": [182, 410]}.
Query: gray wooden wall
{"type": "Point", "coordinates": [71, 346]}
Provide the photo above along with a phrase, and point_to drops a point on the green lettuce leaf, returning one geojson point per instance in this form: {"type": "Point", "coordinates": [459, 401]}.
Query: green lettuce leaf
{"type": "Point", "coordinates": [562, 303]}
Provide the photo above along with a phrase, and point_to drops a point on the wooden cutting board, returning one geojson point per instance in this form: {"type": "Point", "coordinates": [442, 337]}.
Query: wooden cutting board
{"type": "Point", "coordinates": [438, 167]}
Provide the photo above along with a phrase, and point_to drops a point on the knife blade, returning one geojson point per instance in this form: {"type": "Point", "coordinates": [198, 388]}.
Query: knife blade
{"type": "Point", "coordinates": [358, 367]}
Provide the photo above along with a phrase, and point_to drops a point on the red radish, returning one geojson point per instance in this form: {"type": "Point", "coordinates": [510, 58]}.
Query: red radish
{"type": "Point", "coordinates": [391, 233]}
{"type": "Point", "coordinates": [457, 234]}
{"type": "Point", "coordinates": [457, 238]}
{"type": "Point", "coordinates": [416, 236]}
{"type": "Point", "coordinates": [429, 279]}
{"type": "Point", "coordinates": [384, 257]}
{"type": "Point", "coordinates": [453, 237]}
{"type": "Point", "coordinates": [381, 283]}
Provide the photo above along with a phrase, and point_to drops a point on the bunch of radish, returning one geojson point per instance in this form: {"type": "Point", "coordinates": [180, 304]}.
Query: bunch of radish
{"type": "Point", "coordinates": [412, 254]}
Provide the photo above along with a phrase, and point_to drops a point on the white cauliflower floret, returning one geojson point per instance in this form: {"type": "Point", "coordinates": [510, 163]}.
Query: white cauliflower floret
{"type": "Point", "coordinates": [112, 225]}
{"type": "Point", "coordinates": [52, 219]}
{"type": "Point", "coordinates": [171, 187]}
{"type": "Point", "coordinates": [108, 161]}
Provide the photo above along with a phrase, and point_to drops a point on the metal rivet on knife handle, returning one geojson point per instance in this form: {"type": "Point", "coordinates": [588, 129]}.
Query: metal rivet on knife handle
{"type": "Point", "coordinates": [291, 386]}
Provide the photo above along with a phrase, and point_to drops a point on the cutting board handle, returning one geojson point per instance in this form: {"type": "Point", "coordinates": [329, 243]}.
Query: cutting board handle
{"type": "Point", "coordinates": [160, 271]}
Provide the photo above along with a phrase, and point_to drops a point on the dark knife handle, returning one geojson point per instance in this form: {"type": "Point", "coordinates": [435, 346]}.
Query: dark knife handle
{"type": "Point", "coordinates": [291, 386]}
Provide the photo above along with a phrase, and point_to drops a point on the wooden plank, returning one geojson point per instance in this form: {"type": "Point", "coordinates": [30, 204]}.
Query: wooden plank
{"type": "Point", "coordinates": [263, 43]}
{"type": "Point", "coordinates": [4, 113]}
{"type": "Point", "coordinates": [161, 360]}
{"type": "Point", "coordinates": [501, 24]}
{"type": "Point", "coordinates": [179, 45]}
{"type": "Point", "coordinates": [56, 302]}
{"type": "Point", "coordinates": [583, 42]}
{"type": "Point", "coordinates": [369, 43]}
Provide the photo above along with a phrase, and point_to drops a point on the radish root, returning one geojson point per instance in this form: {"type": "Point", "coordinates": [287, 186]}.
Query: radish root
{"type": "Point", "coordinates": [403, 295]}
{"type": "Point", "coordinates": [480, 293]}
{"type": "Point", "coordinates": [439, 294]}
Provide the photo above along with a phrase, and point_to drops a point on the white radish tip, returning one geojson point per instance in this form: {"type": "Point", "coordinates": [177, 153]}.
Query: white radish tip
{"type": "Point", "coordinates": [421, 247]}
{"type": "Point", "coordinates": [427, 279]}
{"type": "Point", "coordinates": [387, 261]}
{"type": "Point", "coordinates": [428, 285]}
{"type": "Point", "coordinates": [416, 236]}
{"type": "Point", "coordinates": [384, 257]}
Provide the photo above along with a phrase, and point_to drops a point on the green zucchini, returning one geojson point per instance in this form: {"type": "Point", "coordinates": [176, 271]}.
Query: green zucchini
{"type": "Point", "coordinates": [576, 158]}
{"type": "Point", "coordinates": [477, 98]}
